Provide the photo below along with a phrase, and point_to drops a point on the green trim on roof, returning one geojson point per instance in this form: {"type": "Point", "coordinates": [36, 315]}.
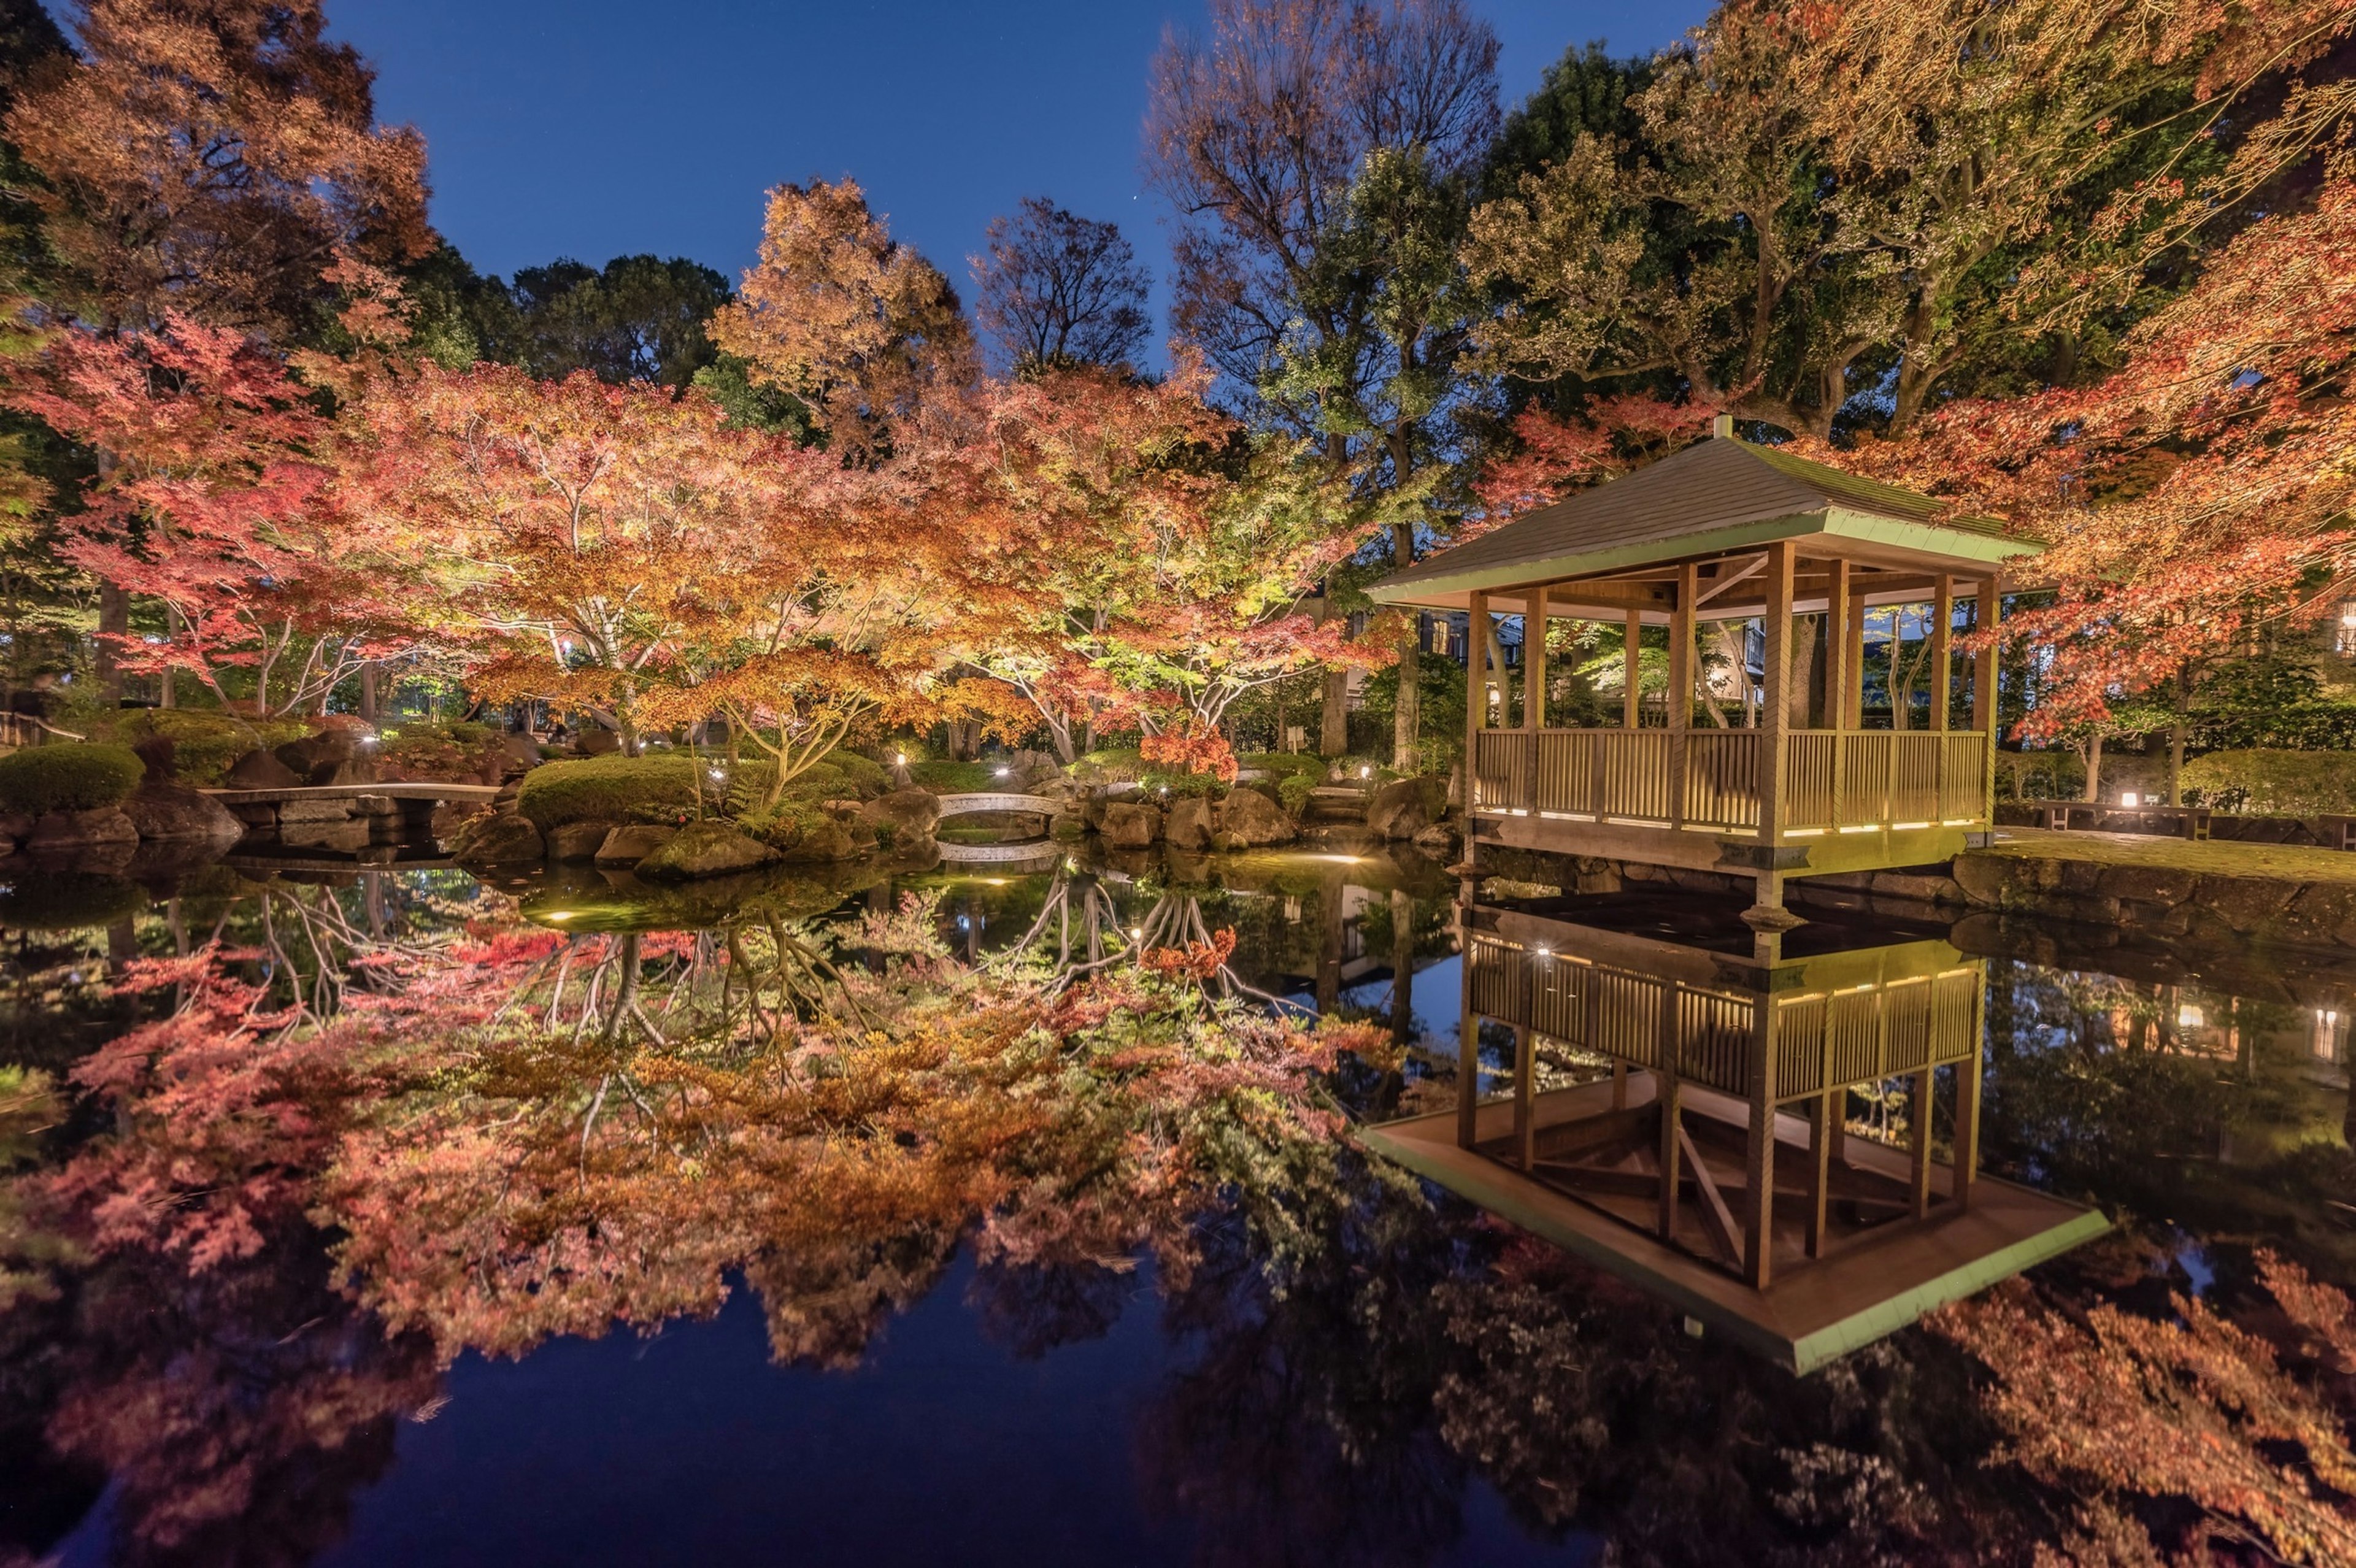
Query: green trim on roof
{"type": "Point", "coordinates": [1839, 522]}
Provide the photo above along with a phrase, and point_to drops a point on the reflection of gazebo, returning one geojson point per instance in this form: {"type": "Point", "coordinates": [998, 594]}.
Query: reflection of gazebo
{"type": "Point", "coordinates": [1713, 1165]}
{"type": "Point", "coordinates": [1726, 530]}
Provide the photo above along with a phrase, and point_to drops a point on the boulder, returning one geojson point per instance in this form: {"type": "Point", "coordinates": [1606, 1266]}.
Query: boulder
{"type": "Point", "coordinates": [595, 742]}
{"type": "Point", "coordinates": [259, 769]}
{"type": "Point", "coordinates": [505, 839]}
{"type": "Point", "coordinates": [359, 768]}
{"type": "Point", "coordinates": [1440, 841]}
{"type": "Point", "coordinates": [705, 850]}
{"type": "Point", "coordinates": [314, 757]}
{"type": "Point", "coordinates": [1129, 827]}
{"type": "Point", "coordinates": [1251, 821]}
{"type": "Point", "coordinates": [451, 816]}
{"type": "Point", "coordinates": [291, 812]}
{"type": "Point", "coordinates": [910, 813]}
{"type": "Point", "coordinates": [1400, 809]}
{"type": "Point", "coordinates": [633, 842]}
{"type": "Point", "coordinates": [1189, 825]}
{"type": "Point", "coordinates": [162, 811]}
{"type": "Point", "coordinates": [831, 840]}
{"type": "Point", "coordinates": [577, 840]}
{"type": "Point", "coordinates": [1025, 771]}
{"type": "Point", "coordinates": [516, 753]}
{"type": "Point", "coordinates": [82, 830]}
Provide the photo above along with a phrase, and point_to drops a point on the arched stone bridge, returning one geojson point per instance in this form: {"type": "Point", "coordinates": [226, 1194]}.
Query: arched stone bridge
{"type": "Point", "coordinates": [973, 804]}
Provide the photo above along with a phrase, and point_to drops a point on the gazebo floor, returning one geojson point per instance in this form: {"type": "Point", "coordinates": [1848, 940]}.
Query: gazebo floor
{"type": "Point", "coordinates": [1594, 1193]}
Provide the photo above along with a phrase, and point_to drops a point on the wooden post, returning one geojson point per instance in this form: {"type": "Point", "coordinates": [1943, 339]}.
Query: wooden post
{"type": "Point", "coordinates": [1534, 661]}
{"type": "Point", "coordinates": [1853, 710]}
{"type": "Point", "coordinates": [1918, 1144]}
{"type": "Point", "coordinates": [1821, 1114]}
{"type": "Point", "coordinates": [1775, 711]}
{"type": "Point", "coordinates": [1525, 1093]}
{"type": "Point", "coordinates": [1477, 642]}
{"type": "Point", "coordinates": [1632, 701]}
{"type": "Point", "coordinates": [1943, 657]}
{"type": "Point", "coordinates": [1665, 1078]}
{"type": "Point", "coordinates": [1988, 614]}
{"type": "Point", "coordinates": [1759, 1200]}
{"type": "Point", "coordinates": [1681, 684]}
{"type": "Point", "coordinates": [1966, 1147]}
{"type": "Point", "coordinates": [1468, 1067]}
{"type": "Point", "coordinates": [1840, 668]}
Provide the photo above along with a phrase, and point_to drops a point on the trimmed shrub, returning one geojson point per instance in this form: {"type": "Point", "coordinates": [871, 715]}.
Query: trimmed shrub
{"type": "Point", "coordinates": [863, 778]}
{"type": "Point", "coordinates": [944, 777]}
{"type": "Point", "coordinates": [82, 777]}
{"type": "Point", "coordinates": [445, 751]}
{"type": "Point", "coordinates": [1294, 775]}
{"type": "Point", "coordinates": [2270, 782]}
{"type": "Point", "coordinates": [205, 741]}
{"type": "Point", "coordinates": [609, 789]}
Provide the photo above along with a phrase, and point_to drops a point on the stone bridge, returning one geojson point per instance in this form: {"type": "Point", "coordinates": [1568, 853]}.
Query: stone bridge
{"type": "Point", "coordinates": [974, 803]}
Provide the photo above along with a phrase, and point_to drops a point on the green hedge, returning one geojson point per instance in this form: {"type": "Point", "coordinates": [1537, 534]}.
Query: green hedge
{"type": "Point", "coordinates": [2269, 783]}
{"type": "Point", "coordinates": [74, 777]}
{"type": "Point", "coordinates": [1293, 775]}
{"type": "Point", "coordinates": [205, 741]}
{"type": "Point", "coordinates": [662, 787]}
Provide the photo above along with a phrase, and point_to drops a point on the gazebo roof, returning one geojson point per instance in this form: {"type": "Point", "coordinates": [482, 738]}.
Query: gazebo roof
{"type": "Point", "coordinates": [1715, 497]}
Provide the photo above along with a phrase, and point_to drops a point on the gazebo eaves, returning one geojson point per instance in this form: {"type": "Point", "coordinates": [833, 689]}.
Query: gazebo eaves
{"type": "Point", "coordinates": [1432, 585]}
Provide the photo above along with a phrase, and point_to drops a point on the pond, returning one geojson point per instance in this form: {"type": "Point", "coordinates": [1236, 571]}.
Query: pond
{"type": "Point", "coordinates": [479, 1256]}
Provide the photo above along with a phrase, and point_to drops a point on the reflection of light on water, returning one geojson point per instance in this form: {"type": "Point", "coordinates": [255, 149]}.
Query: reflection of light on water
{"type": "Point", "coordinates": [1338, 859]}
{"type": "Point", "coordinates": [996, 882]}
{"type": "Point", "coordinates": [559, 914]}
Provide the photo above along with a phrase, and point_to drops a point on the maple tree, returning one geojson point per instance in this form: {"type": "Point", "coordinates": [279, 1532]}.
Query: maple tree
{"type": "Point", "coordinates": [838, 313]}
{"type": "Point", "coordinates": [211, 161]}
{"type": "Point", "coordinates": [214, 502]}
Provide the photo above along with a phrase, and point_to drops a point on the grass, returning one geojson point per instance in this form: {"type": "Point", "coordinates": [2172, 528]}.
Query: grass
{"type": "Point", "coordinates": [2217, 858]}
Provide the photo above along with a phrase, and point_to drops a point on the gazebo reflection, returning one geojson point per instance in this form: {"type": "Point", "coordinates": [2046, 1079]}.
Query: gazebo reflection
{"type": "Point", "coordinates": [1680, 1102]}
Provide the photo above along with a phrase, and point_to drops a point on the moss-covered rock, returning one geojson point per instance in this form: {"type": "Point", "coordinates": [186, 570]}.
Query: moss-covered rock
{"type": "Point", "coordinates": [81, 776]}
{"type": "Point", "coordinates": [705, 850]}
{"type": "Point", "coordinates": [506, 838]}
{"type": "Point", "coordinates": [610, 789]}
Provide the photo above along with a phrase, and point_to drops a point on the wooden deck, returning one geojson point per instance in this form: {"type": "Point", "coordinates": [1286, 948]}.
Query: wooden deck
{"type": "Point", "coordinates": [1592, 1191]}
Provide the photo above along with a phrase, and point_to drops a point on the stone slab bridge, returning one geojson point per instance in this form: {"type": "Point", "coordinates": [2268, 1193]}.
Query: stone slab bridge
{"type": "Point", "coordinates": [975, 803]}
{"type": "Point", "coordinates": [428, 790]}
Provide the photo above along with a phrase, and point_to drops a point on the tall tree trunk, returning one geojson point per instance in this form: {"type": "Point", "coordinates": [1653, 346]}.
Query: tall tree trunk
{"type": "Point", "coordinates": [369, 704]}
{"type": "Point", "coordinates": [1333, 715]}
{"type": "Point", "coordinates": [2183, 695]}
{"type": "Point", "coordinates": [2094, 770]}
{"type": "Point", "coordinates": [1406, 726]}
{"type": "Point", "coordinates": [113, 620]}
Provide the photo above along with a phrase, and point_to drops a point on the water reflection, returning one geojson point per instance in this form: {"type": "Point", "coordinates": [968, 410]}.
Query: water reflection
{"type": "Point", "coordinates": [407, 1121]}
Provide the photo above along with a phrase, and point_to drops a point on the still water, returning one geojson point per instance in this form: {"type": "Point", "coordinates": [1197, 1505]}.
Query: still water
{"type": "Point", "coordinates": [1327, 1362]}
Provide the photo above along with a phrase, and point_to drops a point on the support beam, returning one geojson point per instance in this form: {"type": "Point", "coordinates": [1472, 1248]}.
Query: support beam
{"type": "Point", "coordinates": [1775, 708]}
{"type": "Point", "coordinates": [1681, 685]}
{"type": "Point", "coordinates": [1632, 700]}
{"type": "Point", "coordinates": [1468, 1073]}
{"type": "Point", "coordinates": [1717, 1219]}
{"type": "Point", "coordinates": [1672, 1128]}
{"type": "Point", "coordinates": [1759, 1201]}
{"type": "Point", "coordinates": [1918, 1145]}
{"type": "Point", "coordinates": [1821, 1113]}
{"type": "Point", "coordinates": [1987, 617]}
{"type": "Point", "coordinates": [1476, 701]}
{"type": "Point", "coordinates": [1840, 668]}
{"type": "Point", "coordinates": [1965, 1152]}
{"type": "Point", "coordinates": [1526, 1093]}
{"type": "Point", "coordinates": [1853, 712]}
{"type": "Point", "coordinates": [1533, 659]}
{"type": "Point", "coordinates": [1942, 655]}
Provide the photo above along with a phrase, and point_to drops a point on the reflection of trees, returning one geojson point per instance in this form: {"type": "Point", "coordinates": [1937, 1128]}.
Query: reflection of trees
{"type": "Point", "coordinates": [2088, 1093]}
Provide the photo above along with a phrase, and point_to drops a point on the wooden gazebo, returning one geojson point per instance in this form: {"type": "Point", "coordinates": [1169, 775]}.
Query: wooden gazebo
{"type": "Point", "coordinates": [1728, 530]}
{"type": "Point", "coordinates": [1705, 1156]}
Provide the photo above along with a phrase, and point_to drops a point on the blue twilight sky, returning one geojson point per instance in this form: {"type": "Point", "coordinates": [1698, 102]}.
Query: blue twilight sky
{"type": "Point", "coordinates": [597, 128]}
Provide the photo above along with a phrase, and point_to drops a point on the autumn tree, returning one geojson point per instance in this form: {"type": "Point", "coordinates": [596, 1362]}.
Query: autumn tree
{"type": "Point", "coordinates": [212, 160]}
{"type": "Point", "coordinates": [214, 502]}
{"type": "Point", "coordinates": [1319, 153]}
{"type": "Point", "coordinates": [1051, 288]}
{"type": "Point", "coordinates": [840, 315]}
{"type": "Point", "coordinates": [1871, 203]}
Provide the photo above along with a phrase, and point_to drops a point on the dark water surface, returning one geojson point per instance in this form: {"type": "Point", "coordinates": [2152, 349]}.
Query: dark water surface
{"type": "Point", "coordinates": [1408, 1383]}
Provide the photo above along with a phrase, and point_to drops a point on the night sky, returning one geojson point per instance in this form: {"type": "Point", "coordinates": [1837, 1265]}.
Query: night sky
{"type": "Point", "coordinates": [595, 128]}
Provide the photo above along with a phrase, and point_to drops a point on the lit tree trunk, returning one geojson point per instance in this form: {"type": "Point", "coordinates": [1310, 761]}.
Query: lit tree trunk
{"type": "Point", "coordinates": [2094, 769]}
{"type": "Point", "coordinates": [369, 707]}
{"type": "Point", "coordinates": [2176, 735]}
{"type": "Point", "coordinates": [1407, 712]}
{"type": "Point", "coordinates": [114, 621]}
{"type": "Point", "coordinates": [1333, 715]}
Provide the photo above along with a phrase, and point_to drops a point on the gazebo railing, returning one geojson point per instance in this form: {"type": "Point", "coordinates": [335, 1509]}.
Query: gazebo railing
{"type": "Point", "coordinates": [1832, 780]}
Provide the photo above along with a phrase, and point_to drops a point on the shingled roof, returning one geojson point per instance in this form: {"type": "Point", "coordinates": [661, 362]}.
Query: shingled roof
{"type": "Point", "coordinates": [1716, 495]}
